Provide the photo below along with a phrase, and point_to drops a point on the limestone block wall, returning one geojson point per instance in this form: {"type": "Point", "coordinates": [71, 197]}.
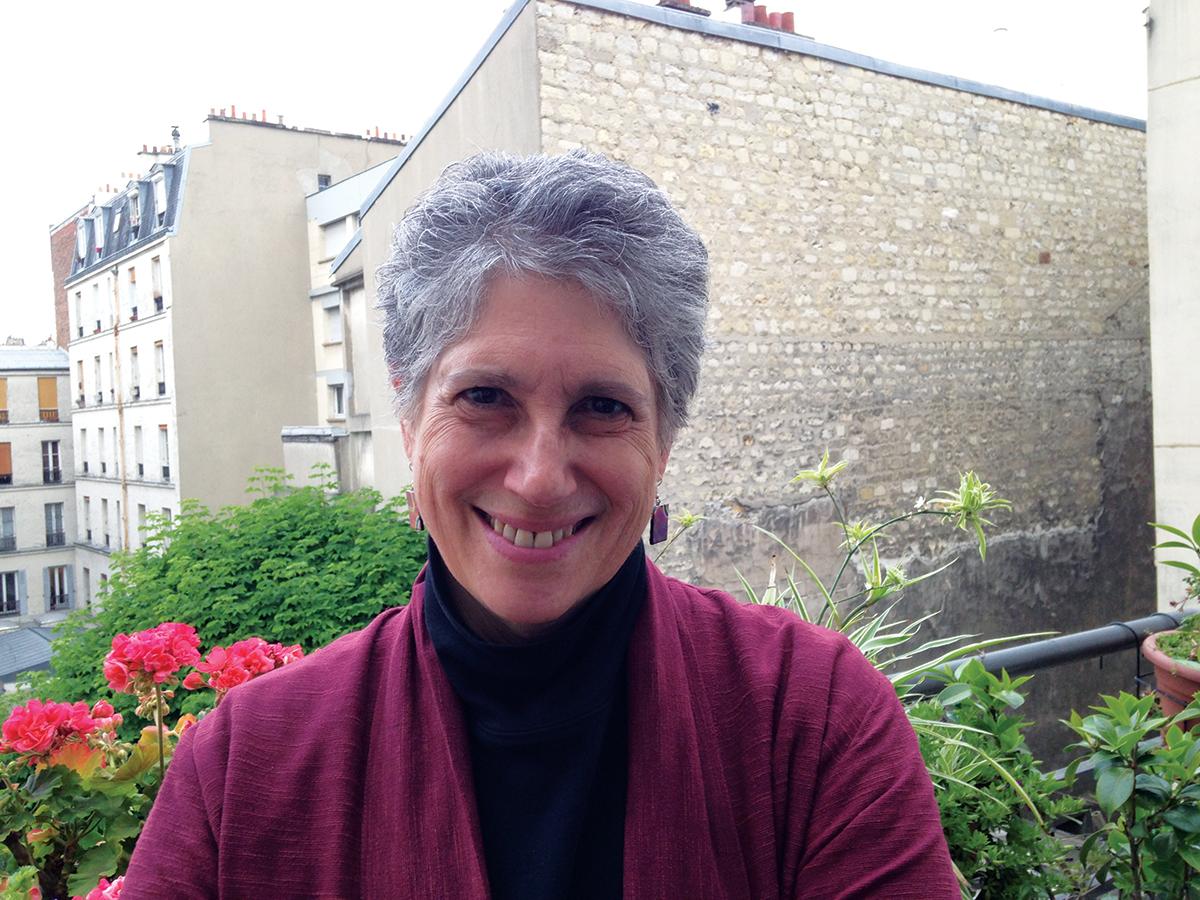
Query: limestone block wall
{"type": "Point", "coordinates": [920, 279]}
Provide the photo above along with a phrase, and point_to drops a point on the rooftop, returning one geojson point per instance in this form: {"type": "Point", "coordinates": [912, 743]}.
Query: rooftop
{"type": "Point", "coordinates": [33, 359]}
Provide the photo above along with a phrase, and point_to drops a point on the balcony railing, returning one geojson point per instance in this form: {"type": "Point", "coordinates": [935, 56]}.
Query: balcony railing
{"type": "Point", "coordinates": [107, 540]}
{"type": "Point", "coordinates": [59, 601]}
{"type": "Point", "coordinates": [85, 467]}
{"type": "Point", "coordinates": [89, 535]}
{"type": "Point", "coordinates": [162, 388]}
{"type": "Point", "coordinates": [103, 468]}
{"type": "Point", "coordinates": [99, 398]}
{"type": "Point", "coordinates": [133, 314]}
{"type": "Point", "coordinates": [81, 331]}
{"type": "Point", "coordinates": [97, 331]}
{"type": "Point", "coordinates": [6, 478]}
{"type": "Point", "coordinates": [51, 476]}
{"type": "Point", "coordinates": [166, 470]}
{"type": "Point", "coordinates": [56, 538]}
{"type": "Point", "coordinates": [3, 416]}
{"type": "Point", "coordinates": [80, 401]}
{"type": "Point", "coordinates": [48, 415]}
{"type": "Point", "coordinates": [135, 393]}
{"type": "Point", "coordinates": [158, 304]}
{"type": "Point", "coordinates": [8, 543]}
{"type": "Point", "coordinates": [141, 470]}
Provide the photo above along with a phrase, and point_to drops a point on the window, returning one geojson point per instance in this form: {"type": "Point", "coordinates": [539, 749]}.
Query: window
{"type": "Point", "coordinates": [101, 445]}
{"type": "Point", "coordinates": [160, 367]}
{"type": "Point", "coordinates": [135, 210]}
{"type": "Point", "coordinates": [87, 518]}
{"type": "Point", "coordinates": [48, 399]}
{"type": "Point", "coordinates": [98, 231]}
{"type": "Point", "coordinates": [58, 587]}
{"type": "Point", "coordinates": [156, 282]}
{"type": "Point", "coordinates": [81, 242]}
{"type": "Point", "coordinates": [120, 527]}
{"type": "Point", "coordinates": [96, 305]}
{"type": "Point", "coordinates": [79, 312]}
{"type": "Point", "coordinates": [116, 222]}
{"type": "Point", "coordinates": [104, 521]}
{"type": "Point", "coordinates": [79, 375]}
{"type": "Point", "coordinates": [166, 514]}
{"type": "Point", "coordinates": [108, 299]}
{"type": "Point", "coordinates": [160, 198]}
{"type": "Point", "coordinates": [323, 181]}
{"type": "Point", "coordinates": [87, 586]}
{"type": "Point", "coordinates": [133, 301]}
{"type": "Point", "coordinates": [333, 325]}
{"type": "Point", "coordinates": [135, 378]}
{"type": "Point", "coordinates": [83, 449]}
{"type": "Point", "coordinates": [112, 381]}
{"type": "Point", "coordinates": [337, 407]}
{"type": "Point", "coordinates": [164, 452]}
{"type": "Point", "coordinates": [6, 472]}
{"type": "Point", "coordinates": [3, 401]}
{"type": "Point", "coordinates": [99, 387]}
{"type": "Point", "coordinates": [137, 450]}
{"type": "Point", "coordinates": [51, 464]}
{"type": "Point", "coordinates": [10, 602]}
{"type": "Point", "coordinates": [8, 528]}
{"type": "Point", "coordinates": [141, 513]}
{"type": "Point", "coordinates": [56, 534]}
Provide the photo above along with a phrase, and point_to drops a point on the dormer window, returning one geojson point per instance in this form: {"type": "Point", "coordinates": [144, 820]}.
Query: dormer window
{"type": "Point", "coordinates": [81, 241]}
{"type": "Point", "coordinates": [160, 198]}
{"type": "Point", "coordinates": [116, 219]}
{"type": "Point", "coordinates": [135, 212]}
{"type": "Point", "coordinates": [98, 231]}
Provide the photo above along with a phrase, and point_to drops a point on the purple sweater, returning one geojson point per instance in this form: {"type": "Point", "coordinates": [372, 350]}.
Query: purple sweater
{"type": "Point", "coordinates": [767, 759]}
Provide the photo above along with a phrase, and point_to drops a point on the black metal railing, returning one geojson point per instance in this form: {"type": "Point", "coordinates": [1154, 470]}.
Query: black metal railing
{"type": "Point", "coordinates": [1068, 648]}
{"type": "Point", "coordinates": [8, 543]}
{"type": "Point", "coordinates": [56, 538]}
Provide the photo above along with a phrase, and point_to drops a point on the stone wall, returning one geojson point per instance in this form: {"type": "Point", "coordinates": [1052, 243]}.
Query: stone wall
{"type": "Point", "coordinates": [921, 279]}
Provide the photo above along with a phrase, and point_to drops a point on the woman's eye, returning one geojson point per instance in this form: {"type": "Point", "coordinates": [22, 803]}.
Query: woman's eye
{"type": "Point", "coordinates": [605, 407]}
{"type": "Point", "coordinates": [482, 396]}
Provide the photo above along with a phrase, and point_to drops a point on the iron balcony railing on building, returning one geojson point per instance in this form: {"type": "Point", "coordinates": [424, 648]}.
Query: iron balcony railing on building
{"type": "Point", "coordinates": [51, 476]}
{"type": "Point", "coordinates": [8, 543]}
{"type": "Point", "coordinates": [56, 539]}
{"type": "Point", "coordinates": [48, 415]}
{"type": "Point", "coordinates": [3, 416]}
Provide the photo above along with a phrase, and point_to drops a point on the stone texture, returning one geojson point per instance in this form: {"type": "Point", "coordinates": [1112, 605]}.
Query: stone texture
{"type": "Point", "coordinates": [918, 279]}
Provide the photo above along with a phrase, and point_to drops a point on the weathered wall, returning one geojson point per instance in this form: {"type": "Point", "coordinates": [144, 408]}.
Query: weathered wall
{"type": "Point", "coordinates": [62, 252]}
{"type": "Point", "coordinates": [921, 279]}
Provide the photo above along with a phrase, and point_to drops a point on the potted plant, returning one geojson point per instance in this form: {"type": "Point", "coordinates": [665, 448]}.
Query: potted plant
{"type": "Point", "coordinates": [1175, 654]}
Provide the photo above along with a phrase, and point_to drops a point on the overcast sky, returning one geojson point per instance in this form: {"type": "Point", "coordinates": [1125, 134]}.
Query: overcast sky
{"type": "Point", "coordinates": [87, 84]}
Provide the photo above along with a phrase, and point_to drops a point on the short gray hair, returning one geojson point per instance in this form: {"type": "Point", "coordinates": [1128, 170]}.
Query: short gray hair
{"type": "Point", "coordinates": [579, 216]}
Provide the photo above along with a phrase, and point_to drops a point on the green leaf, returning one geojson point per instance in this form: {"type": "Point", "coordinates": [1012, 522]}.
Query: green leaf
{"type": "Point", "coordinates": [1113, 788]}
{"type": "Point", "coordinates": [1190, 855]}
{"type": "Point", "coordinates": [1154, 785]}
{"type": "Point", "coordinates": [99, 862]}
{"type": "Point", "coordinates": [1196, 529]}
{"type": "Point", "coordinates": [1171, 529]}
{"type": "Point", "coordinates": [953, 694]}
{"type": "Point", "coordinates": [1176, 564]}
{"type": "Point", "coordinates": [1185, 818]}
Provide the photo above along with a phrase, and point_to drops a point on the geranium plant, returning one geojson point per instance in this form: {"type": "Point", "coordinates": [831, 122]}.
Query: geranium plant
{"type": "Point", "coordinates": [73, 795]}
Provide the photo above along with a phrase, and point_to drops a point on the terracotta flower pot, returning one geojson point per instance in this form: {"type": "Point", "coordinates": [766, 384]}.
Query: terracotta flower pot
{"type": "Point", "coordinates": [1177, 681]}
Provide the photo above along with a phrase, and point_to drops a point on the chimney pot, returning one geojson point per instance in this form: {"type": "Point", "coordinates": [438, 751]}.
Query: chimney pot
{"type": "Point", "coordinates": [376, 131]}
{"type": "Point", "coordinates": [233, 112]}
{"type": "Point", "coordinates": [789, 22]}
{"type": "Point", "coordinates": [760, 16]}
{"type": "Point", "coordinates": [747, 13]}
{"type": "Point", "coordinates": [222, 112]}
{"type": "Point", "coordinates": [264, 116]}
{"type": "Point", "coordinates": [144, 148]}
{"type": "Point", "coordinates": [775, 20]}
{"type": "Point", "coordinates": [281, 120]}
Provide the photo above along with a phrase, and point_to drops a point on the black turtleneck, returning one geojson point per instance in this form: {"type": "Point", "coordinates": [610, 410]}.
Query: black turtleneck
{"type": "Point", "coordinates": [547, 724]}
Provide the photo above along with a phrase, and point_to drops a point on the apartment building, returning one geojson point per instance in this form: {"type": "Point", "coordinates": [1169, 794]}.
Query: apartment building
{"type": "Point", "coordinates": [188, 350]}
{"type": "Point", "coordinates": [37, 510]}
{"type": "Point", "coordinates": [342, 332]}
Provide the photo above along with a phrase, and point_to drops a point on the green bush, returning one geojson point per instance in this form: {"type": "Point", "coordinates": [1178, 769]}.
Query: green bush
{"type": "Point", "coordinates": [297, 566]}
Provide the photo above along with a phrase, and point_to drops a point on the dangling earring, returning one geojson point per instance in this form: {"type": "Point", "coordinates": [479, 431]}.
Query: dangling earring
{"type": "Point", "coordinates": [414, 517]}
{"type": "Point", "coordinates": [659, 522]}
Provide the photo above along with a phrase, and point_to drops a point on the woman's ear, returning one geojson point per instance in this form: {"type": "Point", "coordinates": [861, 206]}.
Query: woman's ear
{"type": "Point", "coordinates": [407, 437]}
{"type": "Point", "coordinates": [664, 456]}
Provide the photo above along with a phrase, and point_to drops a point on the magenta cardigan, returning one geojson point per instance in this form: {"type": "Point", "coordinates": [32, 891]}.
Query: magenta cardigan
{"type": "Point", "coordinates": [767, 758]}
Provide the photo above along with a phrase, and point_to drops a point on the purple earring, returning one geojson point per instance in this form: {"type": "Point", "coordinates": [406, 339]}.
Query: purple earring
{"type": "Point", "coordinates": [414, 518]}
{"type": "Point", "coordinates": [659, 522]}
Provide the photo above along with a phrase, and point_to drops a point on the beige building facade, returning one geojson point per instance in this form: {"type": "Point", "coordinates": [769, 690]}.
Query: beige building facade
{"type": "Point", "coordinates": [1173, 187]}
{"type": "Point", "coordinates": [37, 515]}
{"type": "Point", "coordinates": [189, 351]}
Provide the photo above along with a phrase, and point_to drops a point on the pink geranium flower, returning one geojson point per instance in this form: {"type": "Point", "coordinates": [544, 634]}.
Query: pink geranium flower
{"type": "Point", "coordinates": [105, 890]}
{"type": "Point", "coordinates": [38, 730]}
{"type": "Point", "coordinates": [138, 662]}
{"type": "Point", "coordinates": [227, 667]}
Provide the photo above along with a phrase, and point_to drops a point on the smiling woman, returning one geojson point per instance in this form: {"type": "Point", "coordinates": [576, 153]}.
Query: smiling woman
{"type": "Point", "coordinates": [551, 716]}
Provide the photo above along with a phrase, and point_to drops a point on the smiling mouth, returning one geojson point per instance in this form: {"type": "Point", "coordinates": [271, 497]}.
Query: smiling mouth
{"type": "Point", "coordinates": [536, 540]}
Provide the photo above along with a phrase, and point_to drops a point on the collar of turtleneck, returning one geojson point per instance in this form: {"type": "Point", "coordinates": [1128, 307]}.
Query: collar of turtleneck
{"type": "Point", "coordinates": [545, 686]}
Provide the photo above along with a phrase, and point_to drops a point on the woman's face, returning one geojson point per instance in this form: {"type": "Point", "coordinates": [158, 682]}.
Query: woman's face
{"type": "Point", "coordinates": [535, 450]}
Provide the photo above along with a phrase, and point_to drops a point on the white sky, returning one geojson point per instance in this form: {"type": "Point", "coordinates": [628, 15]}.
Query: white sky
{"type": "Point", "coordinates": [88, 83]}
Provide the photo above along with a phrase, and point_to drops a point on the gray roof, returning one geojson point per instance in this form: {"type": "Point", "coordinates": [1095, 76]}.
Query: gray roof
{"type": "Point", "coordinates": [17, 359]}
{"type": "Point", "coordinates": [24, 650]}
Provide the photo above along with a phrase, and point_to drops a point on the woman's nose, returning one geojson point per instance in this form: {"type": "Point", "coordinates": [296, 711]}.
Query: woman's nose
{"type": "Point", "coordinates": [541, 471]}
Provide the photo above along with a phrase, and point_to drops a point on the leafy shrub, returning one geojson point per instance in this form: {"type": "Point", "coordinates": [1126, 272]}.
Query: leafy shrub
{"type": "Point", "coordinates": [296, 566]}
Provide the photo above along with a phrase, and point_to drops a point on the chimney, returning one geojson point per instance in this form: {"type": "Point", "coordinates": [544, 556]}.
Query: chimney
{"type": "Point", "coordinates": [264, 116]}
{"type": "Point", "coordinates": [684, 6]}
{"type": "Point", "coordinates": [789, 22]}
{"type": "Point", "coordinates": [761, 17]}
{"type": "Point", "coordinates": [775, 20]}
{"type": "Point", "coordinates": [233, 112]}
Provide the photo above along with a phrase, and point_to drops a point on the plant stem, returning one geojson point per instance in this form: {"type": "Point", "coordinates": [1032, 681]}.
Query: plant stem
{"type": "Point", "coordinates": [874, 531]}
{"type": "Point", "coordinates": [841, 513]}
{"type": "Point", "coordinates": [158, 720]}
{"type": "Point", "coordinates": [1135, 863]}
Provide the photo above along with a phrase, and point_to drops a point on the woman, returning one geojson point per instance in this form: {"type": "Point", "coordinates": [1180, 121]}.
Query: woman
{"type": "Point", "coordinates": [550, 716]}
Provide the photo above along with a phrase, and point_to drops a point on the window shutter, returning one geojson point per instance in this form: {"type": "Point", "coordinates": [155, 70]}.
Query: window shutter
{"type": "Point", "coordinates": [6, 459]}
{"type": "Point", "coordinates": [22, 593]}
{"type": "Point", "coordinates": [3, 393]}
{"type": "Point", "coordinates": [70, 586]}
{"type": "Point", "coordinates": [48, 393]}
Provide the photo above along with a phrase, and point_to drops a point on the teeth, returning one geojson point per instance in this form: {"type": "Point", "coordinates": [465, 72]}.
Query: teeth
{"type": "Point", "coordinates": [540, 540]}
